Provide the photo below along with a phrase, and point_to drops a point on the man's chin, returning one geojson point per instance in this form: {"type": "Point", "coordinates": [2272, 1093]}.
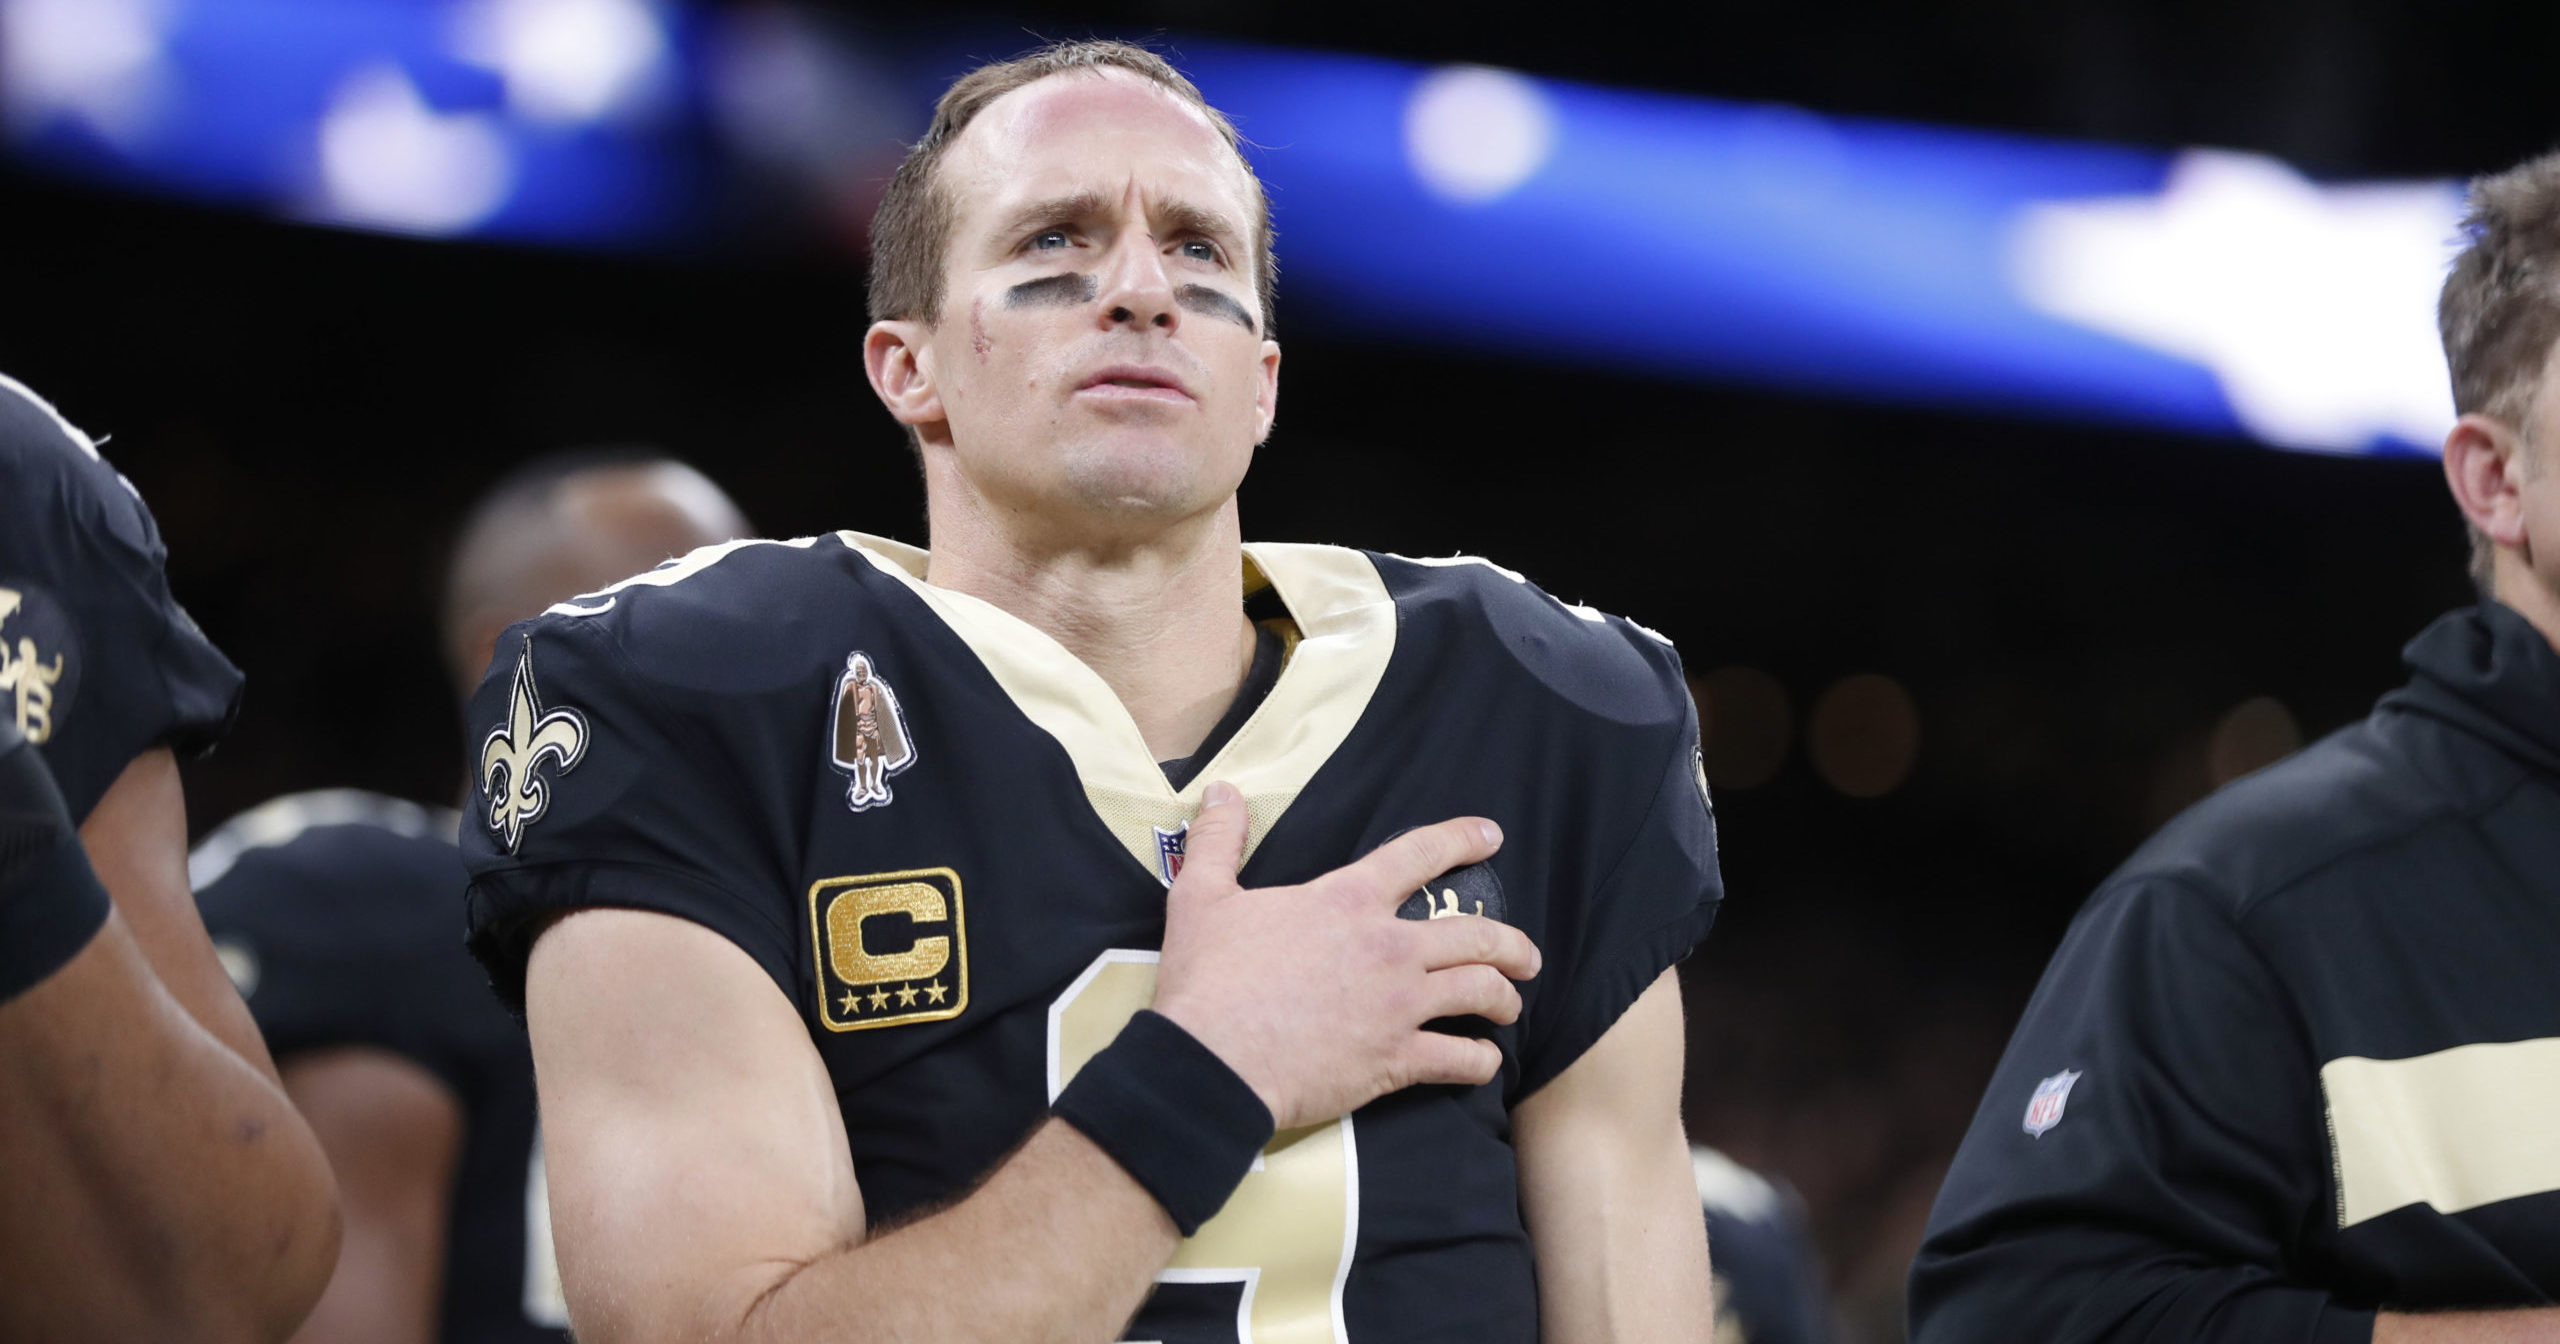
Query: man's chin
{"type": "Point", "coordinates": [1137, 503]}
{"type": "Point", "coordinates": [1143, 478]}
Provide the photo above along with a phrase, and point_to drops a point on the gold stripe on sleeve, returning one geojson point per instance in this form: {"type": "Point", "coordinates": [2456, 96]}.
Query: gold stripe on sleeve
{"type": "Point", "coordinates": [2452, 1130]}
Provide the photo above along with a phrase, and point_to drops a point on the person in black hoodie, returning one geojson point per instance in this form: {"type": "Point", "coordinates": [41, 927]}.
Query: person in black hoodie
{"type": "Point", "coordinates": [2294, 1074]}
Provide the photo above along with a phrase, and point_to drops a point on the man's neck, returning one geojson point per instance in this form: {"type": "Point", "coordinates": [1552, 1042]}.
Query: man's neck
{"type": "Point", "coordinates": [1162, 621]}
{"type": "Point", "coordinates": [2516, 585]}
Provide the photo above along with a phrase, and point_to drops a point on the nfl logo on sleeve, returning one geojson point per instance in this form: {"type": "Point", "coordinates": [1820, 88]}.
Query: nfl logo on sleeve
{"type": "Point", "coordinates": [2044, 1110]}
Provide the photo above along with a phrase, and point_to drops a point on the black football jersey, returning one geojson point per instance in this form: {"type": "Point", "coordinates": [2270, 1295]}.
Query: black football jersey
{"type": "Point", "coordinates": [336, 914]}
{"type": "Point", "coordinates": [1769, 1280]}
{"type": "Point", "coordinates": [944, 839]}
{"type": "Point", "coordinates": [98, 663]}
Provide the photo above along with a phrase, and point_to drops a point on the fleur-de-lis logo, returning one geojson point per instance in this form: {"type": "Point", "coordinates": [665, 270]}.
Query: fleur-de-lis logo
{"type": "Point", "coordinates": [511, 759]}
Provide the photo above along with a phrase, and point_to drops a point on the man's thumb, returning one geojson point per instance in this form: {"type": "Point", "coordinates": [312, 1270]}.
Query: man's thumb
{"type": "Point", "coordinates": [1214, 849]}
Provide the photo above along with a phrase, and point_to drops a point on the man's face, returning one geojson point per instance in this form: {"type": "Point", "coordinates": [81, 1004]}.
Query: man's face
{"type": "Point", "coordinates": [1100, 349]}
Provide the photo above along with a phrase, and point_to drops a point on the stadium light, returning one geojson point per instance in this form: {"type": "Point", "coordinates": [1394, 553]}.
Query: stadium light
{"type": "Point", "coordinates": [1637, 232]}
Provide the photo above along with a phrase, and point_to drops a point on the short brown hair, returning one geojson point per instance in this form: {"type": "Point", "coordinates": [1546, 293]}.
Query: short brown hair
{"type": "Point", "coordinates": [912, 230]}
{"type": "Point", "coordinates": [2500, 310]}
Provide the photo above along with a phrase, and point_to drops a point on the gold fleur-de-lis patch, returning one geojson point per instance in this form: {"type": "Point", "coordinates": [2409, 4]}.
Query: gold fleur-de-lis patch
{"type": "Point", "coordinates": [512, 757]}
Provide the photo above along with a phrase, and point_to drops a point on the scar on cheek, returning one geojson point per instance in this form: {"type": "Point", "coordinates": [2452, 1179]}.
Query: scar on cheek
{"type": "Point", "coordinates": [1202, 299]}
{"type": "Point", "coordinates": [1052, 291]}
{"type": "Point", "coordinates": [978, 328]}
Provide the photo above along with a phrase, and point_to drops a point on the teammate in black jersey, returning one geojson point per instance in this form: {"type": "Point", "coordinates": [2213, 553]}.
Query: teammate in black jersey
{"type": "Point", "coordinates": [838, 879]}
{"type": "Point", "coordinates": [1769, 1281]}
{"type": "Point", "coordinates": [336, 913]}
{"type": "Point", "coordinates": [154, 1182]}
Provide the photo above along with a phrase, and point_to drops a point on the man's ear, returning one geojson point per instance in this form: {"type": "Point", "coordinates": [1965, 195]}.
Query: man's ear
{"type": "Point", "coordinates": [2485, 466]}
{"type": "Point", "coordinates": [1267, 400]}
{"type": "Point", "coordinates": [900, 365]}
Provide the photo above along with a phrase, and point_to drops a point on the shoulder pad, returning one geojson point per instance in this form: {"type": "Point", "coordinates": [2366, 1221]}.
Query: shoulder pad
{"type": "Point", "coordinates": [35, 426]}
{"type": "Point", "coordinates": [87, 621]}
{"type": "Point", "coordinates": [1730, 1188]}
{"type": "Point", "coordinates": [685, 623]}
{"type": "Point", "coordinates": [280, 822]}
{"type": "Point", "coordinates": [1602, 664]}
{"type": "Point", "coordinates": [38, 446]}
{"type": "Point", "coordinates": [357, 873]}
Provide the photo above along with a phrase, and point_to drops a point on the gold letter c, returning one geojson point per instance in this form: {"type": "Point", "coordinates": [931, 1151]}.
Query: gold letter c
{"type": "Point", "coordinates": [856, 964]}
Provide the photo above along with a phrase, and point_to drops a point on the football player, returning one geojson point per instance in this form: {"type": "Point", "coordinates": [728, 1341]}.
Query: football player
{"type": "Point", "coordinates": [158, 1183]}
{"type": "Point", "coordinates": [1096, 918]}
{"type": "Point", "coordinates": [1768, 1275]}
{"type": "Point", "coordinates": [335, 912]}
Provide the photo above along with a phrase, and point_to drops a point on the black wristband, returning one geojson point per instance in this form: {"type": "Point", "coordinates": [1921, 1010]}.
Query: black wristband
{"type": "Point", "coordinates": [1172, 1114]}
{"type": "Point", "coordinates": [50, 902]}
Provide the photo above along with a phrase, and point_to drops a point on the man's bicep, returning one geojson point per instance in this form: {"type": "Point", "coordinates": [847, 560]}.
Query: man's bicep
{"type": "Point", "coordinates": [136, 838]}
{"type": "Point", "coordinates": [1605, 1186]}
{"type": "Point", "coordinates": [393, 1132]}
{"type": "Point", "coordinates": [695, 1152]}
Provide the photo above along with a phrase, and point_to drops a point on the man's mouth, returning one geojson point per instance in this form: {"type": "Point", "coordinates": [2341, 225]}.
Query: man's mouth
{"type": "Point", "coordinates": [1132, 383]}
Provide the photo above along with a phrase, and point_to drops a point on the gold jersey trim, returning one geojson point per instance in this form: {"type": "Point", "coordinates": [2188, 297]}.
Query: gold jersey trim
{"type": "Point", "coordinates": [1346, 623]}
{"type": "Point", "coordinates": [2452, 1130]}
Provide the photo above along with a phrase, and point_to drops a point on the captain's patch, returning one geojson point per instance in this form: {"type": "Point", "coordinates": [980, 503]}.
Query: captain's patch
{"type": "Point", "coordinates": [892, 949]}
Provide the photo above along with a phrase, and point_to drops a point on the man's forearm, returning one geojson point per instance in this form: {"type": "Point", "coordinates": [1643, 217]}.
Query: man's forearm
{"type": "Point", "coordinates": [159, 1185]}
{"type": "Point", "coordinates": [2533, 1326]}
{"type": "Point", "coordinates": [1058, 1246]}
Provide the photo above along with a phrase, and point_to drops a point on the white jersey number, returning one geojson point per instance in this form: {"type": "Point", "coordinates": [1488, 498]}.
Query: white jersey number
{"type": "Point", "coordinates": [1288, 1233]}
{"type": "Point", "coordinates": [544, 1301]}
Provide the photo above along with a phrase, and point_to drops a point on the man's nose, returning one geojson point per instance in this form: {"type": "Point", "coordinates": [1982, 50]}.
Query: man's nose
{"type": "Point", "coordinates": [1136, 291]}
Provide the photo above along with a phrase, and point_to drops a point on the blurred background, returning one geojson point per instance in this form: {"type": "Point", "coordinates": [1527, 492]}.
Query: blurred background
{"type": "Point", "coordinates": [2020, 414]}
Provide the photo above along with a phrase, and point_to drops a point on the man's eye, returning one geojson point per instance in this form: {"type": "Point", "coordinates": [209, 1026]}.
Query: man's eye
{"type": "Point", "coordinates": [1200, 249]}
{"type": "Point", "coordinates": [1049, 239]}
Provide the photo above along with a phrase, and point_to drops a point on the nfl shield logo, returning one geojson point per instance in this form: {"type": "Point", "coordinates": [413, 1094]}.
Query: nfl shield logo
{"type": "Point", "coordinates": [1169, 851]}
{"type": "Point", "coordinates": [2044, 1110]}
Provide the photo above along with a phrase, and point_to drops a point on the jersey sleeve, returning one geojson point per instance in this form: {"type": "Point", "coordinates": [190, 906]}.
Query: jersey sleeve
{"type": "Point", "coordinates": [1647, 904]}
{"type": "Point", "coordinates": [596, 786]}
{"type": "Point", "coordinates": [98, 662]}
{"type": "Point", "coordinates": [2152, 1141]}
{"type": "Point", "coordinates": [51, 904]}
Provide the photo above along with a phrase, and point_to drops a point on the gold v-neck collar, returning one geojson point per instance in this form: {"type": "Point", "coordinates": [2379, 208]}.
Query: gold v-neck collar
{"type": "Point", "coordinates": [1347, 633]}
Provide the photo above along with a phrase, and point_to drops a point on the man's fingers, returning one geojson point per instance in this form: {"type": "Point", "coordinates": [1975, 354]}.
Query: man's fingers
{"type": "Point", "coordinates": [1473, 991]}
{"type": "Point", "coordinates": [1460, 940]}
{"type": "Point", "coordinates": [1214, 848]}
{"type": "Point", "coordinates": [1403, 864]}
{"type": "Point", "coordinates": [1434, 1057]}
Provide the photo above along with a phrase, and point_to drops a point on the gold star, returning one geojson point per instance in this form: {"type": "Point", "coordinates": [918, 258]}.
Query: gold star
{"type": "Point", "coordinates": [906, 996]}
{"type": "Point", "coordinates": [933, 992]}
{"type": "Point", "coordinates": [879, 999]}
{"type": "Point", "coordinates": [852, 1003]}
